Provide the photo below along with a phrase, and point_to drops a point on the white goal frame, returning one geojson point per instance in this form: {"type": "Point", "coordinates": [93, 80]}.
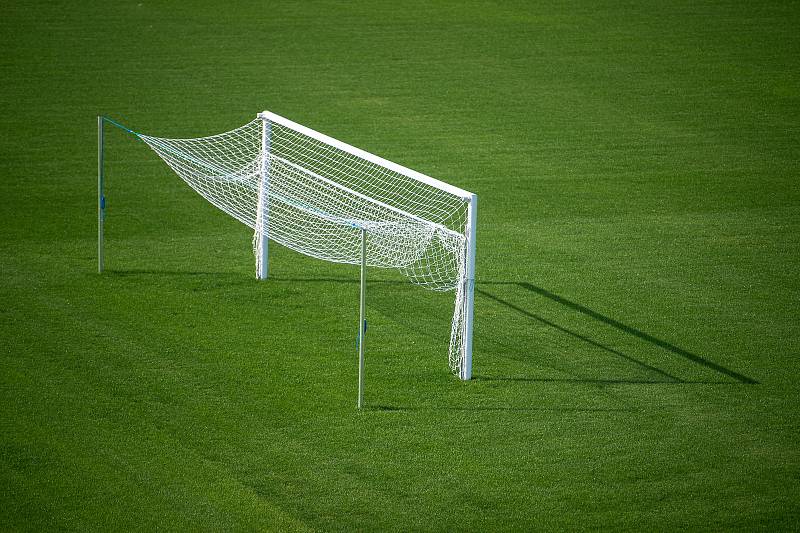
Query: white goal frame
{"type": "Point", "coordinates": [268, 117]}
{"type": "Point", "coordinates": [263, 209]}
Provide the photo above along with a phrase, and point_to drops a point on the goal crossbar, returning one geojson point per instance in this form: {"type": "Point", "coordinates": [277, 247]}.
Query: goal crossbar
{"type": "Point", "coordinates": [358, 152]}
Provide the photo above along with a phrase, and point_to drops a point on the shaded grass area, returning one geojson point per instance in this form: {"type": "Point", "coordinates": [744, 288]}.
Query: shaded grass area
{"type": "Point", "coordinates": [636, 333]}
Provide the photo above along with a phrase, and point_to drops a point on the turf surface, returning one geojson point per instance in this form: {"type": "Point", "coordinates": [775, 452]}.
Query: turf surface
{"type": "Point", "coordinates": [636, 338]}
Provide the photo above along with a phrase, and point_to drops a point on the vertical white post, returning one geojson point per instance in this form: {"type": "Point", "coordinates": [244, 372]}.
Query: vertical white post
{"type": "Point", "coordinates": [262, 224]}
{"type": "Point", "coordinates": [469, 289]}
{"type": "Point", "coordinates": [101, 199]}
{"type": "Point", "coordinates": [362, 324]}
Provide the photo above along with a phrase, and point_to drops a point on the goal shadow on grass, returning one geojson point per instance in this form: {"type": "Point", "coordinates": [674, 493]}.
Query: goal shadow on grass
{"type": "Point", "coordinates": [732, 376]}
{"type": "Point", "coordinates": [472, 409]}
{"type": "Point", "coordinates": [664, 377]}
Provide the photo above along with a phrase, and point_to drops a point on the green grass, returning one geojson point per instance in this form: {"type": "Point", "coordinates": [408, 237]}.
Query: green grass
{"type": "Point", "coordinates": [636, 338]}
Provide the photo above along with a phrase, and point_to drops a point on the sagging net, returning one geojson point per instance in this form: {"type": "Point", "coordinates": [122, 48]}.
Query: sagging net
{"type": "Point", "coordinates": [315, 198]}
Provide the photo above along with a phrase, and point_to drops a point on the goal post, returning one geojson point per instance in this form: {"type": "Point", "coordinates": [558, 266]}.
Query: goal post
{"type": "Point", "coordinates": [465, 370]}
{"type": "Point", "coordinates": [329, 200]}
{"type": "Point", "coordinates": [262, 214]}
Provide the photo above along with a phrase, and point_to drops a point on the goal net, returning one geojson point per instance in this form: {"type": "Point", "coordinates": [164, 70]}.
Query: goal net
{"type": "Point", "coordinates": [314, 194]}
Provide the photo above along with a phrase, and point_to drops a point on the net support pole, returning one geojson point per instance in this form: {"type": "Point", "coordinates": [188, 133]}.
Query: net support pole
{"type": "Point", "coordinates": [362, 323]}
{"type": "Point", "coordinates": [101, 199]}
{"type": "Point", "coordinates": [262, 261]}
{"type": "Point", "coordinates": [469, 289]}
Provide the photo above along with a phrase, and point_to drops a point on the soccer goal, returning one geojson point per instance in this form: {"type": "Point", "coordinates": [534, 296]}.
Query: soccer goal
{"type": "Point", "coordinates": [329, 200]}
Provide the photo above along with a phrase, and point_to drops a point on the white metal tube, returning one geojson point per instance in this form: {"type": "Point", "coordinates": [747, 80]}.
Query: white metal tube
{"type": "Point", "coordinates": [101, 200]}
{"type": "Point", "coordinates": [469, 289]}
{"type": "Point", "coordinates": [268, 115]}
{"type": "Point", "coordinates": [263, 206]}
{"type": "Point", "coordinates": [361, 318]}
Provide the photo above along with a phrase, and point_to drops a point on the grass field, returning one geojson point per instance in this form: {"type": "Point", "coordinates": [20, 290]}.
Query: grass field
{"type": "Point", "coordinates": [636, 338]}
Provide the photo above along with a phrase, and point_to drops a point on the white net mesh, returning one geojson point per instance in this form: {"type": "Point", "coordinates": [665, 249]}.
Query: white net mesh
{"type": "Point", "coordinates": [314, 196]}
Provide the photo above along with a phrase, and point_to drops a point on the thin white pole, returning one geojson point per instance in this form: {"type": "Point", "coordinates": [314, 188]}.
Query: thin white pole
{"type": "Point", "coordinates": [101, 199]}
{"type": "Point", "coordinates": [469, 289]}
{"type": "Point", "coordinates": [263, 205]}
{"type": "Point", "coordinates": [361, 318]}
